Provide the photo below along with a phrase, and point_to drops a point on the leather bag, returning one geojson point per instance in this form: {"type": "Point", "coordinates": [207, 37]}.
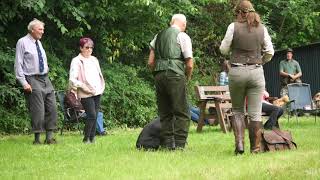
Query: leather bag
{"type": "Point", "coordinates": [71, 101]}
{"type": "Point", "coordinates": [277, 140]}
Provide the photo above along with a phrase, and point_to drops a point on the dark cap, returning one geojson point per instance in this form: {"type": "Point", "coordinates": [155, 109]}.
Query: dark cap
{"type": "Point", "coordinates": [289, 50]}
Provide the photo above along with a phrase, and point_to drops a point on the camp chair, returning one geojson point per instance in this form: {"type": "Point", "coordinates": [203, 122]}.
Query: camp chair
{"type": "Point", "coordinates": [300, 95]}
{"type": "Point", "coordinates": [71, 116]}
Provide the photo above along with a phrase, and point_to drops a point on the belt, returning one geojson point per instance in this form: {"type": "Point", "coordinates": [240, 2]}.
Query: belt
{"type": "Point", "coordinates": [244, 65]}
{"type": "Point", "coordinates": [40, 75]}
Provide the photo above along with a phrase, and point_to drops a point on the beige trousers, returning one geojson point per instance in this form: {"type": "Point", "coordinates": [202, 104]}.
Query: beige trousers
{"type": "Point", "coordinates": [247, 83]}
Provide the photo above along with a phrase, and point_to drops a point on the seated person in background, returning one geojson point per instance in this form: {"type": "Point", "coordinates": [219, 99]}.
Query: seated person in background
{"type": "Point", "coordinates": [195, 115]}
{"type": "Point", "coordinates": [99, 126]}
{"type": "Point", "coordinates": [290, 72]}
{"type": "Point", "coordinates": [274, 112]}
{"type": "Point", "coordinates": [223, 76]}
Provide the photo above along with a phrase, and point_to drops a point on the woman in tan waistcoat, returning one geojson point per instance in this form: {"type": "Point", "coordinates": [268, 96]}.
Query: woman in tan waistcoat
{"type": "Point", "coordinates": [251, 47]}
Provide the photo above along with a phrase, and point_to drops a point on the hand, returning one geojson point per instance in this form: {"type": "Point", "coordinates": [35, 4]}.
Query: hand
{"type": "Point", "coordinates": [27, 88]}
{"type": "Point", "coordinates": [291, 76]}
{"type": "Point", "coordinates": [88, 89]}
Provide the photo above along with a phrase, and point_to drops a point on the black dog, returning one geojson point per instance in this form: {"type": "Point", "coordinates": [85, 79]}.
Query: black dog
{"type": "Point", "coordinates": [149, 138]}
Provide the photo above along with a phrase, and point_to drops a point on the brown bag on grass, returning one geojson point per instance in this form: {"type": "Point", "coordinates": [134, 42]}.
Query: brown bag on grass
{"type": "Point", "coordinates": [276, 140]}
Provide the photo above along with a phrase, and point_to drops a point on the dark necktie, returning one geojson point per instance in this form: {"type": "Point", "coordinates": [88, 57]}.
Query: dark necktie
{"type": "Point", "coordinates": [41, 64]}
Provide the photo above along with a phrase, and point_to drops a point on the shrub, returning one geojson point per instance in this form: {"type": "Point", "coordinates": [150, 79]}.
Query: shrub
{"type": "Point", "coordinates": [128, 99]}
{"type": "Point", "coordinates": [12, 103]}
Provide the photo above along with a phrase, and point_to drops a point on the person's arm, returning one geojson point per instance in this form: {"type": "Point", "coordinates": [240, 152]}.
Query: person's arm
{"type": "Point", "coordinates": [18, 67]}
{"type": "Point", "coordinates": [284, 74]}
{"type": "Point", "coordinates": [267, 47]}
{"type": "Point", "coordinates": [189, 68]}
{"type": "Point", "coordinates": [227, 40]}
{"type": "Point", "coordinates": [299, 74]}
{"type": "Point", "coordinates": [186, 48]}
{"type": "Point", "coordinates": [74, 73]}
{"type": "Point", "coordinates": [151, 61]}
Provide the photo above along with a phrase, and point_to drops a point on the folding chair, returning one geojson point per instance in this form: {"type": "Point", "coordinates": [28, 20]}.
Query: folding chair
{"type": "Point", "coordinates": [71, 116]}
{"type": "Point", "coordinates": [300, 96]}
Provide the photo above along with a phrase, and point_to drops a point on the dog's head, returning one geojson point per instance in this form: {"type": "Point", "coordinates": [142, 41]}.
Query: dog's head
{"type": "Point", "coordinates": [285, 99]}
{"type": "Point", "coordinates": [316, 99]}
{"type": "Point", "coordinates": [281, 101]}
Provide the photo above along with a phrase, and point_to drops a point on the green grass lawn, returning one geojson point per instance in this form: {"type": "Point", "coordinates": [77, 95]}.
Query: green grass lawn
{"type": "Point", "coordinates": [209, 155]}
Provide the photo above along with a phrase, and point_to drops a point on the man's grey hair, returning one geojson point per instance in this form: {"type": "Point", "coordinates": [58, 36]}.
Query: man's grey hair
{"type": "Point", "coordinates": [178, 17]}
{"type": "Point", "coordinates": [33, 23]}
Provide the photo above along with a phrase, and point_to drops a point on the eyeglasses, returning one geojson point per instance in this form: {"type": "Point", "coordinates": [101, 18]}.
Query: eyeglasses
{"type": "Point", "coordinates": [88, 47]}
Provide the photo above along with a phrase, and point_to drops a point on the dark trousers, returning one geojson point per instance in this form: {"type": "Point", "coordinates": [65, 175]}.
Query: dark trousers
{"type": "Point", "coordinates": [41, 103]}
{"type": "Point", "coordinates": [91, 106]}
{"type": "Point", "coordinates": [173, 108]}
{"type": "Point", "coordinates": [274, 112]}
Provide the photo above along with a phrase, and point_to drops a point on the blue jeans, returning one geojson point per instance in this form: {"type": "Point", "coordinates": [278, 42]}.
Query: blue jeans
{"type": "Point", "coordinates": [99, 124]}
{"type": "Point", "coordinates": [195, 115]}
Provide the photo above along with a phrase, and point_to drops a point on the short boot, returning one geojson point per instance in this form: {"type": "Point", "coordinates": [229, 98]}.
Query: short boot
{"type": "Point", "coordinates": [92, 139]}
{"type": "Point", "coordinates": [168, 144]}
{"type": "Point", "coordinates": [86, 140]}
{"type": "Point", "coordinates": [238, 127]}
{"type": "Point", "coordinates": [180, 144]}
{"type": "Point", "coordinates": [255, 136]}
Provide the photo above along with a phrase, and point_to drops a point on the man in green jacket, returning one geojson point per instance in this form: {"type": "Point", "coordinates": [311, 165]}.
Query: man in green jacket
{"type": "Point", "coordinates": [290, 72]}
{"type": "Point", "coordinates": [171, 61]}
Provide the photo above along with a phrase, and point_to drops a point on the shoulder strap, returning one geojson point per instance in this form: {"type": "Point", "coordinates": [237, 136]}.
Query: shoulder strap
{"type": "Point", "coordinates": [277, 131]}
{"type": "Point", "coordinates": [84, 75]}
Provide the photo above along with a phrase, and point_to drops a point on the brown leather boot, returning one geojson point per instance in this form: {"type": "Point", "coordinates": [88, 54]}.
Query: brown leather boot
{"type": "Point", "coordinates": [238, 127]}
{"type": "Point", "coordinates": [255, 136]}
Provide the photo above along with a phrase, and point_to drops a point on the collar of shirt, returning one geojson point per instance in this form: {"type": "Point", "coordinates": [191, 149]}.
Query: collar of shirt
{"type": "Point", "coordinates": [84, 58]}
{"type": "Point", "coordinates": [175, 26]}
{"type": "Point", "coordinates": [31, 38]}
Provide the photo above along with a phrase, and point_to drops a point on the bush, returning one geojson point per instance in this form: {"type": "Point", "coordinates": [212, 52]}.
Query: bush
{"type": "Point", "coordinates": [12, 103]}
{"type": "Point", "coordinates": [14, 121]}
{"type": "Point", "coordinates": [128, 100]}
